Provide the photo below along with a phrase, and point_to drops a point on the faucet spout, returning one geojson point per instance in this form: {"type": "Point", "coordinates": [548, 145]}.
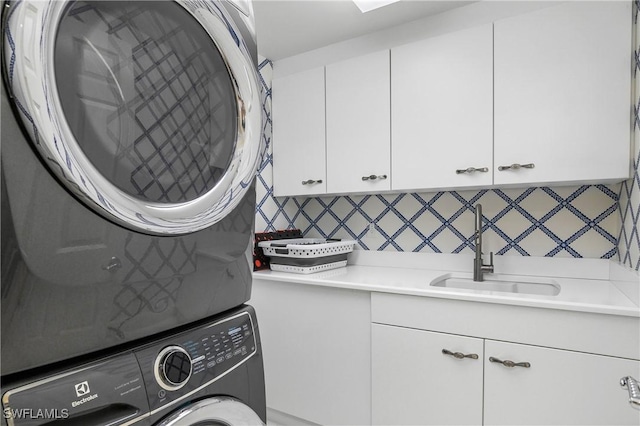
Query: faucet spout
{"type": "Point", "coordinates": [479, 268]}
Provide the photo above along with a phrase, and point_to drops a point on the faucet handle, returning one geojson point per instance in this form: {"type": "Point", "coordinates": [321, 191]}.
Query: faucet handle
{"type": "Point", "coordinates": [488, 267]}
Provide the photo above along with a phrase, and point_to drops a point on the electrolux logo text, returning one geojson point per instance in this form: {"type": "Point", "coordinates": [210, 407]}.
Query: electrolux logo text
{"type": "Point", "coordinates": [35, 413]}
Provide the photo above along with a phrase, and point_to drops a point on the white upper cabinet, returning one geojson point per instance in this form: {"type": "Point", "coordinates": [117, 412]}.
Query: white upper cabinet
{"type": "Point", "coordinates": [298, 111]}
{"type": "Point", "coordinates": [442, 111]}
{"type": "Point", "coordinates": [358, 124]}
{"type": "Point", "coordinates": [562, 94]}
{"type": "Point", "coordinates": [540, 98]}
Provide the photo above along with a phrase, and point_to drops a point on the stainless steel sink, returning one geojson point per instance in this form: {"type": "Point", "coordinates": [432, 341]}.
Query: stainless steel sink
{"type": "Point", "coordinates": [501, 284]}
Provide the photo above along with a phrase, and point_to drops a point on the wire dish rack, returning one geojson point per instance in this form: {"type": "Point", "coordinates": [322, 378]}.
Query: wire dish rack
{"type": "Point", "coordinates": [307, 255]}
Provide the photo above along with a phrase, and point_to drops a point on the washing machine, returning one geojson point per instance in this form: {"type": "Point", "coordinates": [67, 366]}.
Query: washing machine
{"type": "Point", "coordinates": [131, 133]}
{"type": "Point", "coordinates": [208, 374]}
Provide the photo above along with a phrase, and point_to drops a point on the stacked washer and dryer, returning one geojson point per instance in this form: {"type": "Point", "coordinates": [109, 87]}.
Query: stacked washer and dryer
{"type": "Point", "coordinates": [131, 132]}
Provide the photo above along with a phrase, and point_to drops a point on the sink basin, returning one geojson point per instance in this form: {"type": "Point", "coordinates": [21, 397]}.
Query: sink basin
{"type": "Point", "coordinates": [501, 284]}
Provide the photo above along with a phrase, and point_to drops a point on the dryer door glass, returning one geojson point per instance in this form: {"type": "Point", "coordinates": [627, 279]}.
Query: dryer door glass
{"type": "Point", "coordinates": [147, 97]}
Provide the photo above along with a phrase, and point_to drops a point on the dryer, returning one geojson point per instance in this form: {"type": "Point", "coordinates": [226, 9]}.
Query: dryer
{"type": "Point", "coordinates": [208, 374]}
{"type": "Point", "coordinates": [131, 132]}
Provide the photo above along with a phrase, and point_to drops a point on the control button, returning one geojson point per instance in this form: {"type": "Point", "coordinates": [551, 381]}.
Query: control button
{"type": "Point", "coordinates": [162, 393]}
{"type": "Point", "coordinates": [172, 368]}
{"type": "Point", "coordinates": [229, 355]}
{"type": "Point", "coordinates": [220, 359]}
{"type": "Point", "coordinates": [200, 358]}
{"type": "Point", "coordinates": [176, 367]}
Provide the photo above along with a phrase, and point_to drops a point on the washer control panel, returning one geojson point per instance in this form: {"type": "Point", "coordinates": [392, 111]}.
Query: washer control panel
{"type": "Point", "coordinates": [189, 361]}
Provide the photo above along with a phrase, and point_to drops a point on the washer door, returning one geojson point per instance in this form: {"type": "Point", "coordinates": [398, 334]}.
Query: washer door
{"type": "Point", "coordinates": [213, 412]}
{"type": "Point", "coordinates": [148, 111]}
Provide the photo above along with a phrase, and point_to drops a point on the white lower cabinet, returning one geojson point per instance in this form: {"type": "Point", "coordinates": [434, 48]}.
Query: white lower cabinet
{"type": "Point", "coordinates": [558, 388]}
{"type": "Point", "coordinates": [337, 356]}
{"type": "Point", "coordinates": [415, 382]}
{"type": "Point", "coordinates": [316, 351]}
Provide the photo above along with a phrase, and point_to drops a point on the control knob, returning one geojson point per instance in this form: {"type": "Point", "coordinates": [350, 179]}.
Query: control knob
{"type": "Point", "coordinates": [173, 368]}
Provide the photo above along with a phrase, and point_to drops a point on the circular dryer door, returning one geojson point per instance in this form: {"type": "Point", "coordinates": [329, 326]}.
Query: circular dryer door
{"type": "Point", "coordinates": [213, 412]}
{"type": "Point", "coordinates": [148, 111]}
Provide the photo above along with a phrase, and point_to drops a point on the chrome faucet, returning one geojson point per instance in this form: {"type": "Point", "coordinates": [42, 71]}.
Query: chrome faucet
{"type": "Point", "coordinates": [479, 268]}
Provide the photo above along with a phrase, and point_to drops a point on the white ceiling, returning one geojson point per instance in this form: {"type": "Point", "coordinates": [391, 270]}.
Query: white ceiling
{"type": "Point", "coordinates": [287, 27]}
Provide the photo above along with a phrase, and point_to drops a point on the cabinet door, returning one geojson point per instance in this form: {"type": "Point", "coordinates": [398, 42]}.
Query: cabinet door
{"type": "Point", "coordinates": [559, 388]}
{"type": "Point", "coordinates": [317, 351]}
{"type": "Point", "coordinates": [562, 85]}
{"type": "Point", "coordinates": [442, 111]}
{"type": "Point", "coordinates": [299, 134]}
{"type": "Point", "coordinates": [415, 383]}
{"type": "Point", "coordinates": [358, 122]}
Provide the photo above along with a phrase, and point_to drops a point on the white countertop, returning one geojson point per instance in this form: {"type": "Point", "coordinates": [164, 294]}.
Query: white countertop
{"type": "Point", "coordinates": [602, 296]}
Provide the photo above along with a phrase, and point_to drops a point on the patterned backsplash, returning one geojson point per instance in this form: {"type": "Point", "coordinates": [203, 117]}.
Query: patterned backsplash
{"type": "Point", "coordinates": [629, 237]}
{"type": "Point", "coordinates": [573, 221]}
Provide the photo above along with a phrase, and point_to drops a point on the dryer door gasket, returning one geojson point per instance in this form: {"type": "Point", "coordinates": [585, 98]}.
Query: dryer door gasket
{"type": "Point", "coordinates": [214, 411]}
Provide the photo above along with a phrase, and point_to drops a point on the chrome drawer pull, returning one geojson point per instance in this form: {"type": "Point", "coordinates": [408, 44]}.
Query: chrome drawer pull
{"type": "Point", "coordinates": [472, 170]}
{"type": "Point", "coordinates": [509, 364]}
{"type": "Point", "coordinates": [516, 167]}
{"type": "Point", "coordinates": [311, 181]}
{"type": "Point", "coordinates": [633, 387]}
{"type": "Point", "coordinates": [459, 355]}
{"type": "Point", "coordinates": [374, 177]}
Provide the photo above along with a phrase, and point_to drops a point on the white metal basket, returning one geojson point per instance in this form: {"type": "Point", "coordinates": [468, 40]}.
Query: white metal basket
{"type": "Point", "coordinates": [308, 269]}
{"type": "Point", "coordinates": [306, 247]}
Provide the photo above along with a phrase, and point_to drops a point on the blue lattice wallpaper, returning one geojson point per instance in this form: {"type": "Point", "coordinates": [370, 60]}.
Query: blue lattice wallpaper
{"type": "Point", "coordinates": [566, 221]}
{"type": "Point", "coordinates": [629, 237]}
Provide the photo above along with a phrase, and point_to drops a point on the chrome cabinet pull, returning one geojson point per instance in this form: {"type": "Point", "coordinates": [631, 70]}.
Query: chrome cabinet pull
{"type": "Point", "coordinates": [459, 355]}
{"type": "Point", "coordinates": [374, 177]}
{"type": "Point", "coordinates": [508, 363]}
{"type": "Point", "coordinates": [311, 181]}
{"type": "Point", "coordinates": [516, 167]}
{"type": "Point", "coordinates": [633, 387]}
{"type": "Point", "coordinates": [472, 170]}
